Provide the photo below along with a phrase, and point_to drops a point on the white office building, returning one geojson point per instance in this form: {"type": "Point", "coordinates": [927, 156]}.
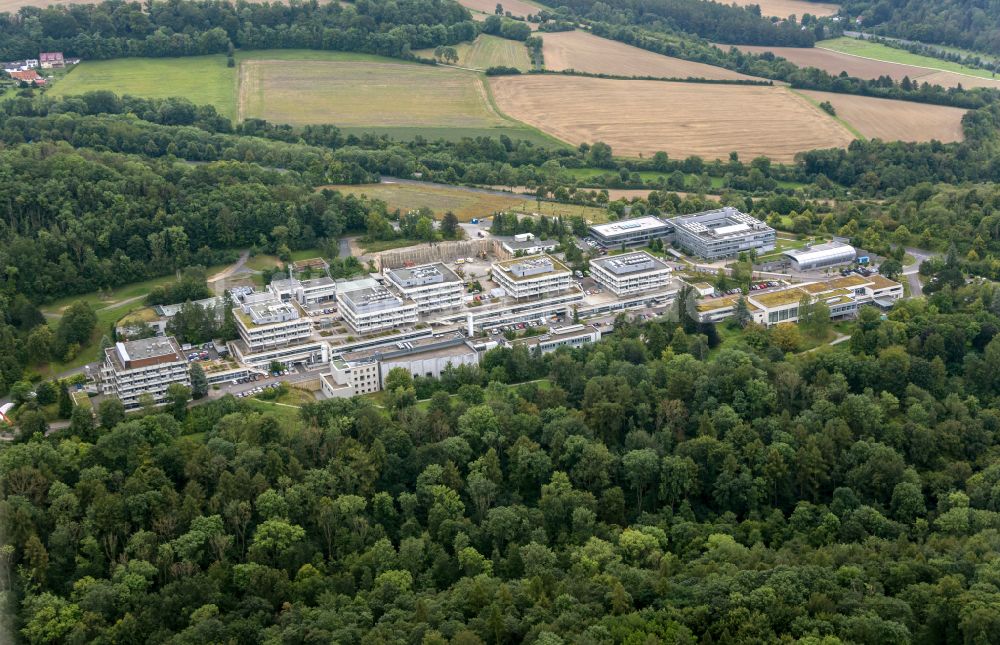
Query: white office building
{"type": "Point", "coordinates": [535, 276]}
{"type": "Point", "coordinates": [567, 336]}
{"type": "Point", "coordinates": [305, 292]}
{"type": "Point", "coordinates": [630, 273]}
{"type": "Point", "coordinates": [631, 232]}
{"type": "Point", "coordinates": [821, 256]}
{"type": "Point", "coordinates": [265, 322]}
{"type": "Point", "coordinates": [365, 371]}
{"type": "Point", "coordinates": [527, 244]}
{"type": "Point", "coordinates": [146, 366]}
{"type": "Point", "coordinates": [368, 307]}
{"type": "Point", "coordinates": [434, 287]}
{"type": "Point", "coordinates": [722, 233]}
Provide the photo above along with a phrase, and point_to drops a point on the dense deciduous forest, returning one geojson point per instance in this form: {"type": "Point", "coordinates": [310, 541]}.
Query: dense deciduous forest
{"type": "Point", "coordinates": [974, 24]}
{"type": "Point", "coordinates": [114, 29]}
{"type": "Point", "coordinates": [718, 22]}
{"type": "Point", "coordinates": [644, 491]}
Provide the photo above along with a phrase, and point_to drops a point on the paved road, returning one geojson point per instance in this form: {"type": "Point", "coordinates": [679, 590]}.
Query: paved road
{"type": "Point", "coordinates": [912, 271]}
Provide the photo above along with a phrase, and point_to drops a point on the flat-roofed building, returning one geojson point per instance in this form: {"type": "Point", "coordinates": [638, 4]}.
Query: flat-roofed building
{"type": "Point", "coordinates": [556, 337]}
{"type": "Point", "coordinates": [821, 256]}
{"type": "Point", "coordinates": [630, 273]}
{"type": "Point", "coordinates": [365, 371]}
{"type": "Point", "coordinates": [146, 366]}
{"type": "Point", "coordinates": [434, 287]}
{"type": "Point", "coordinates": [270, 323]}
{"type": "Point", "coordinates": [631, 232]}
{"type": "Point", "coordinates": [842, 295]}
{"type": "Point", "coordinates": [367, 307]}
{"type": "Point", "coordinates": [533, 276]}
{"type": "Point", "coordinates": [527, 244]}
{"type": "Point", "coordinates": [305, 292]}
{"type": "Point", "coordinates": [722, 233]}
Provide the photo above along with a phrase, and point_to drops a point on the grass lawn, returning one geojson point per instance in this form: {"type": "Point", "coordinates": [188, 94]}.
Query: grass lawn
{"type": "Point", "coordinates": [877, 51]}
{"type": "Point", "coordinates": [110, 307]}
{"type": "Point", "coordinates": [466, 203]}
{"type": "Point", "coordinates": [202, 79]}
{"type": "Point", "coordinates": [262, 262]}
{"type": "Point", "coordinates": [360, 93]}
{"type": "Point", "coordinates": [288, 415]}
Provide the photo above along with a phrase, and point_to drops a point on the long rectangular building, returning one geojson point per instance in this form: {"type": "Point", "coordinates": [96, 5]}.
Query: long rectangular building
{"type": "Point", "coordinates": [146, 366]}
{"type": "Point", "coordinates": [631, 232]}
{"type": "Point", "coordinates": [722, 233]}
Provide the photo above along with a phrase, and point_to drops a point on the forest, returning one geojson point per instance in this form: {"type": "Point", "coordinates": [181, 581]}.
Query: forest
{"type": "Point", "coordinates": [113, 29]}
{"type": "Point", "coordinates": [644, 489]}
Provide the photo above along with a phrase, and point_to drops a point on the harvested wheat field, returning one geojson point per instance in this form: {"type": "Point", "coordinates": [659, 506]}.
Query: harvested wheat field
{"type": "Point", "coordinates": [891, 120]}
{"type": "Point", "coordinates": [786, 8]}
{"type": "Point", "coordinates": [488, 51]}
{"type": "Point", "coordinates": [837, 62]}
{"type": "Point", "coordinates": [586, 52]}
{"type": "Point", "coordinates": [643, 117]}
{"type": "Point", "coordinates": [515, 7]}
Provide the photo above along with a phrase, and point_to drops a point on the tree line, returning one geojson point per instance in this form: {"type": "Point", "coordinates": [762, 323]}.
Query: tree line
{"type": "Point", "coordinates": [973, 24]}
{"type": "Point", "coordinates": [114, 29]}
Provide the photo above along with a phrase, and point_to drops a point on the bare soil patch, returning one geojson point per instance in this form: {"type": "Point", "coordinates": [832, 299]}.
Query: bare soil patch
{"type": "Point", "coordinates": [895, 120]}
{"type": "Point", "coordinates": [586, 52]}
{"type": "Point", "coordinates": [642, 117]}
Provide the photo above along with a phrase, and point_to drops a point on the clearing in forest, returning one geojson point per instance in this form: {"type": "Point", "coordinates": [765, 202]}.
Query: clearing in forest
{"type": "Point", "coordinates": [786, 8]}
{"type": "Point", "coordinates": [585, 52]}
{"type": "Point", "coordinates": [642, 117]}
{"type": "Point", "coordinates": [489, 51]}
{"type": "Point", "coordinates": [465, 202]}
{"type": "Point", "coordinates": [515, 7]}
{"type": "Point", "coordinates": [891, 120]}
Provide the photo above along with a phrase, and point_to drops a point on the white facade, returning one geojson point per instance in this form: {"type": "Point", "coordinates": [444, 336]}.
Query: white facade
{"type": "Point", "coordinates": [271, 324]}
{"type": "Point", "coordinates": [568, 336]}
{"type": "Point", "coordinates": [631, 232]}
{"type": "Point", "coordinates": [305, 292]}
{"type": "Point", "coordinates": [140, 367]}
{"type": "Point", "coordinates": [433, 287]}
{"type": "Point", "coordinates": [630, 273]}
{"type": "Point", "coordinates": [821, 255]}
{"type": "Point", "coordinates": [375, 308]}
{"type": "Point", "coordinates": [532, 277]}
{"type": "Point", "coordinates": [722, 233]}
{"type": "Point", "coordinates": [365, 371]}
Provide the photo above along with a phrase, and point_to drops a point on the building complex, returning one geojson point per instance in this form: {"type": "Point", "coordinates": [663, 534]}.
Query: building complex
{"type": "Point", "coordinates": [843, 296]}
{"type": "Point", "coordinates": [367, 307]}
{"type": "Point", "coordinates": [722, 233]}
{"type": "Point", "coordinates": [532, 276]}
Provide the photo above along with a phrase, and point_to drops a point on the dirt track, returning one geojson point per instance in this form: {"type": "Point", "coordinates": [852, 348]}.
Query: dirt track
{"type": "Point", "coordinates": [586, 52]}
{"type": "Point", "coordinates": [895, 120]}
{"type": "Point", "coordinates": [642, 117]}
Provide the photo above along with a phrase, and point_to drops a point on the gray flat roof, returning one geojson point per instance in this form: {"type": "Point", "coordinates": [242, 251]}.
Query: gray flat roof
{"type": "Point", "coordinates": [405, 274]}
{"type": "Point", "coordinates": [630, 263]}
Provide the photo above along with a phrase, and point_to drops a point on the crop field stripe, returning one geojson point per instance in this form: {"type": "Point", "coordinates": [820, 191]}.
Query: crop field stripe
{"type": "Point", "coordinates": [488, 88]}
{"type": "Point", "coordinates": [903, 57]}
{"type": "Point", "coordinates": [814, 103]}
